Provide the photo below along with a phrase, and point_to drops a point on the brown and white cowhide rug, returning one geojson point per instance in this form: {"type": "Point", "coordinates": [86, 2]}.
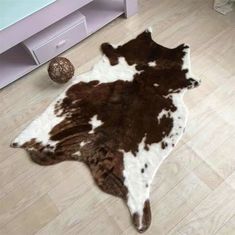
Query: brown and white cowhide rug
{"type": "Point", "coordinates": [122, 119]}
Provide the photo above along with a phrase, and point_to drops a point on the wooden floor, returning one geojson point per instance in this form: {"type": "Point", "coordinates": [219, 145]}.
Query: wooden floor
{"type": "Point", "coordinates": [194, 191]}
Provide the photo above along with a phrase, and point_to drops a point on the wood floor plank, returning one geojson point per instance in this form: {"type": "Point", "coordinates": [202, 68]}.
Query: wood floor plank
{"type": "Point", "coordinates": [178, 203]}
{"type": "Point", "coordinates": [84, 216]}
{"type": "Point", "coordinates": [222, 159]}
{"type": "Point", "coordinates": [231, 180]}
{"type": "Point", "coordinates": [211, 214]}
{"type": "Point", "coordinates": [26, 193]}
{"type": "Point", "coordinates": [228, 228]}
{"type": "Point", "coordinates": [32, 218]}
{"type": "Point", "coordinates": [211, 178]}
{"type": "Point", "coordinates": [71, 188]}
{"type": "Point", "coordinates": [203, 127]}
{"type": "Point", "coordinates": [177, 166]}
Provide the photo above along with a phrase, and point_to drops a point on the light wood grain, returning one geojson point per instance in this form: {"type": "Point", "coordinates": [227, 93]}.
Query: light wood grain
{"type": "Point", "coordinates": [33, 218]}
{"type": "Point", "coordinates": [228, 228]}
{"type": "Point", "coordinates": [211, 214]}
{"type": "Point", "coordinates": [193, 192]}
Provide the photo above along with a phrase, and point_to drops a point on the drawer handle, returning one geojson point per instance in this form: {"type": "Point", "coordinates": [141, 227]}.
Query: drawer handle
{"type": "Point", "coordinates": [61, 43]}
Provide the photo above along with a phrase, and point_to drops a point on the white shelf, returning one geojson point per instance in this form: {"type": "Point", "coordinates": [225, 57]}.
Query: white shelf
{"type": "Point", "coordinates": [100, 12]}
{"type": "Point", "coordinates": [15, 63]}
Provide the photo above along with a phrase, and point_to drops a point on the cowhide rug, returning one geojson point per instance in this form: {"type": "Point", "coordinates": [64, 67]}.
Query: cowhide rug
{"type": "Point", "coordinates": [122, 119]}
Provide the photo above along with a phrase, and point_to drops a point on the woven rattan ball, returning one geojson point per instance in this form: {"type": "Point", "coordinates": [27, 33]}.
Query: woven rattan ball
{"type": "Point", "coordinates": [60, 70]}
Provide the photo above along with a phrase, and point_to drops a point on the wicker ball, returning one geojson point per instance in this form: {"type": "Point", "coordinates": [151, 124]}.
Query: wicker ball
{"type": "Point", "coordinates": [60, 70]}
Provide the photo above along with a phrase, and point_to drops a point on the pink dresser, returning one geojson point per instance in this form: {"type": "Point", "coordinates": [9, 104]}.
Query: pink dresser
{"type": "Point", "coordinates": [50, 31]}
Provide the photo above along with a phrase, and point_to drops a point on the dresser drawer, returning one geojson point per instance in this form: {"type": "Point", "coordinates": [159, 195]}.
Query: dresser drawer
{"type": "Point", "coordinates": [57, 38]}
{"type": "Point", "coordinates": [61, 43]}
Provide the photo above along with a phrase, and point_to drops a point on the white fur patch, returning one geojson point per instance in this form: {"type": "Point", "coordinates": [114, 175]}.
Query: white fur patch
{"type": "Point", "coordinates": [150, 29]}
{"type": "Point", "coordinates": [104, 72]}
{"type": "Point", "coordinates": [40, 128]}
{"type": "Point", "coordinates": [78, 153]}
{"type": "Point", "coordinates": [94, 123]}
{"type": "Point", "coordinates": [152, 64]}
{"type": "Point", "coordinates": [161, 114]}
